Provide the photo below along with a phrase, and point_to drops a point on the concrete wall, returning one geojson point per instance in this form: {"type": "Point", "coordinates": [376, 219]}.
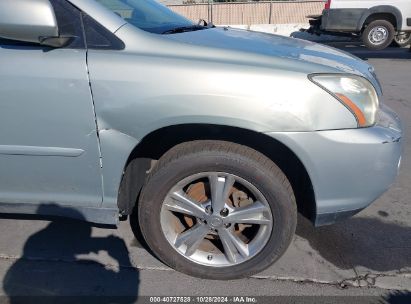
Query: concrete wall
{"type": "Point", "coordinates": [290, 30]}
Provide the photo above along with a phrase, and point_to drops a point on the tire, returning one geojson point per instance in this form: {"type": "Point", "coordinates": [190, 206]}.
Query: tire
{"type": "Point", "coordinates": [402, 40]}
{"type": "Point", "coordinates": [378, 35]}
{"type": "Point", "coordinates": [248, 167]}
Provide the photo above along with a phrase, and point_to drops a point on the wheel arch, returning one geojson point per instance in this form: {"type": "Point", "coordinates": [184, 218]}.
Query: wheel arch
{"type": "Point", "coordinates": [158, 142]}
{"type": "Point", "coordinates": [385, 12]}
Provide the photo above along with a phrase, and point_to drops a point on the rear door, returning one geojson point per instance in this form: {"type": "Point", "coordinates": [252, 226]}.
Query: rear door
{"type": "Point", "coordinates": [49, 150]}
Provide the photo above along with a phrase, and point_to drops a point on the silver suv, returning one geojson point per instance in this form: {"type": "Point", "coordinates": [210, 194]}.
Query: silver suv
{"type": "Point", "coordinates": [212, 138]}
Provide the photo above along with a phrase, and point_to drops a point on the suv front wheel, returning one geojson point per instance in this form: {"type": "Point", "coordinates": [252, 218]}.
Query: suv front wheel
{"type": "Point", "coordinates": [217, 210]}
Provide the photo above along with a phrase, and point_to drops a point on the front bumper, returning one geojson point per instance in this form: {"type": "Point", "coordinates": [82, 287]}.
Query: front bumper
{"type": "Point", "coordinates": [349, 168]}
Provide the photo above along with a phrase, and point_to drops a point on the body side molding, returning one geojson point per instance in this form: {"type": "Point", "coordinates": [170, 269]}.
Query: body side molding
{"type": "Point", "coordinates": [39, 151]}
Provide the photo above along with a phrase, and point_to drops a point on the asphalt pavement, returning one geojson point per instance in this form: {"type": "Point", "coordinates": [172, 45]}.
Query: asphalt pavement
{"type": "Point", "coordinates": [367, 255]}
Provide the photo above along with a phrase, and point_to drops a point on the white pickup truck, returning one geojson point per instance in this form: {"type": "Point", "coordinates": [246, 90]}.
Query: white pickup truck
{"type": "Point", "coordinates": [377, 22]}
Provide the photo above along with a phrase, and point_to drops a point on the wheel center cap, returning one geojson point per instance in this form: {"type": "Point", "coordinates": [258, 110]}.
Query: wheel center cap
{"type": "Point", "coordinates": [215, 222]}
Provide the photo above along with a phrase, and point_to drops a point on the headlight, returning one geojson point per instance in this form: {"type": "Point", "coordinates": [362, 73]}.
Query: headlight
{"type": "Point", "coordinates": [356, 93]}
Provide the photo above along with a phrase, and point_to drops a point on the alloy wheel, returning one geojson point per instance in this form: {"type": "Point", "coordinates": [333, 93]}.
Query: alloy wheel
{"type": "Point", "coordinates": [216, 219]}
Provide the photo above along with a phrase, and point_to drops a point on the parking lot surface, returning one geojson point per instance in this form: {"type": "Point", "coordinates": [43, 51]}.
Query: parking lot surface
{"type": "Point", "coordinates": [369, 254]}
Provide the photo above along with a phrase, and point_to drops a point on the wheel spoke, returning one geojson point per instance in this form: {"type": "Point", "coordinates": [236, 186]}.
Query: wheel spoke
{"type": "Point", "coordinates": [182, 204]}
{"type": "Point", "coordinates": [251, 214]}
{"type": "Point", "coordinates": [192, 238]}
{"type": "Point", "coordinates": [229, 249]}
{"type": "Point", "coordinates": [220, 190]}
{"type": "Point", "coordinates": [232, 245]}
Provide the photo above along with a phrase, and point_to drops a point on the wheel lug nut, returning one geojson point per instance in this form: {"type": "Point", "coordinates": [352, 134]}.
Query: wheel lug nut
{"type": "Point", "coordinates": [224, 212]}
{"type": "Point", "coordinates": [210, 257]}
{"type": "Point", "coordinates": [227, 225]}
{"type": "Point", "coordinates": [208, 209]}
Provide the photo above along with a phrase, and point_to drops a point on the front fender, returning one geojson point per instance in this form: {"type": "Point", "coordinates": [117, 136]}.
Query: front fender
{"type": "Point", "coordinates": [136, 94]}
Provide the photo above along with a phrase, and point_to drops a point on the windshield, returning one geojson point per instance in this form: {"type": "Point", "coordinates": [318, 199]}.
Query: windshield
{"type": "Point", "coordinates": [147, 15]}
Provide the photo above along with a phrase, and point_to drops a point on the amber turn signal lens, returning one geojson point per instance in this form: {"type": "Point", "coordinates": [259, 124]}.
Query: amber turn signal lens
{"type": "Point", "coordinates": [362, 121]}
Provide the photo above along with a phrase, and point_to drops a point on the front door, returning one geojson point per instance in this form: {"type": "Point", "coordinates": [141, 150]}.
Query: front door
{"type": "Point", "coordinates": [49, 150]}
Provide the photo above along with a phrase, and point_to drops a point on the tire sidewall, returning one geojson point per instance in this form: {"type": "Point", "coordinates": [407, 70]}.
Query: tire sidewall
{"type": "Point", "coordinates": [269, 184]}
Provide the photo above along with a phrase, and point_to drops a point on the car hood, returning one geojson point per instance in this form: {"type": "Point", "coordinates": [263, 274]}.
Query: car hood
{"type": "Point", "coordinates": [280, 47]}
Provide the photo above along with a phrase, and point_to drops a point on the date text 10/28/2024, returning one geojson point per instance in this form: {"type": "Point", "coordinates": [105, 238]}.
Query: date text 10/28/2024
{"type": "Point", "coordinates": [205, 299]}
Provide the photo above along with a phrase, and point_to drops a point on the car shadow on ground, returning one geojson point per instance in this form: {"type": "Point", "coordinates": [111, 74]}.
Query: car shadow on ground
{"type": "Point", "coordinates": [361, 242]}
{"type": "Point", "coordinates": [362, 52]}
{"type": "Point", "coordinates": [52, 266]}
{"type": "Point", "coordinates": [355, 47]}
